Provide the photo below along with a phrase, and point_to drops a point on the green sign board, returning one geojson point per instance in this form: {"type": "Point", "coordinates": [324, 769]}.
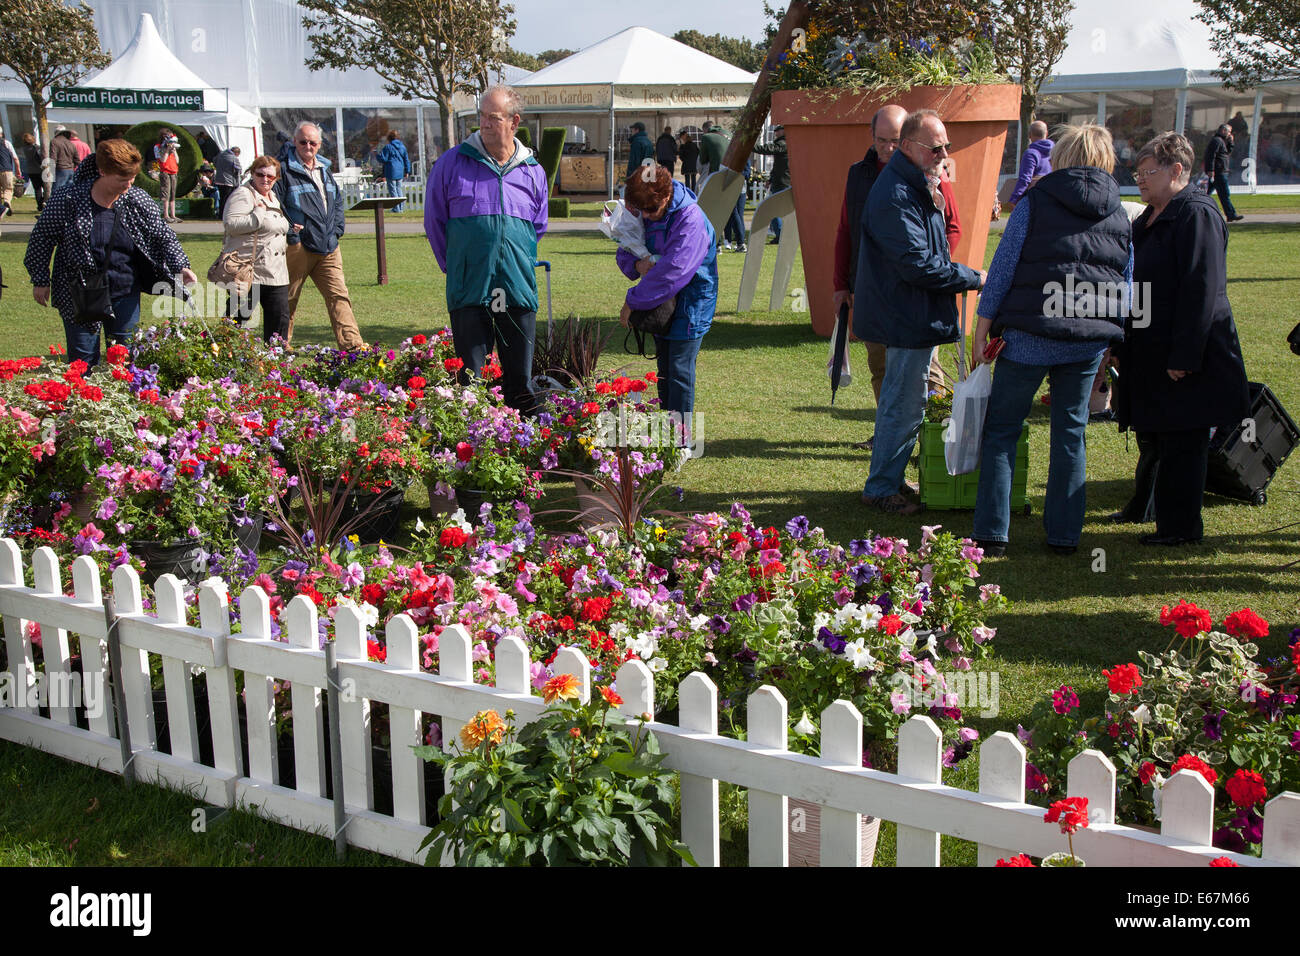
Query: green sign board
{"type": "Point", "coordinates": [91, 98]}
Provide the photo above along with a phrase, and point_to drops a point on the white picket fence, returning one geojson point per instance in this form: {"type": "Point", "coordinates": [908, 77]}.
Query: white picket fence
{"type": "Point", "coordinates": [996, 818]}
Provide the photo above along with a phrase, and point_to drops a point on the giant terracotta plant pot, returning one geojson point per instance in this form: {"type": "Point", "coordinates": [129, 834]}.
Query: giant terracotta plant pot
{"type": "Point", "coordinates": [828, 131]}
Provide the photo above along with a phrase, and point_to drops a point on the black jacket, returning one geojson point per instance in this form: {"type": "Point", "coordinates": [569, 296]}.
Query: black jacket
{"type": "Point", "coordinates": [862, 176]}
{"type": "Point", "coordinates": [780, 163]}
{"type": "Point", "coordinates": [1216, 155]}
{"type": "Point", "coordinates": [690, 154]}
{"type": "Point", "coordinates": [1069, 282]}
{"type": "Point", "coordinates": [666, 150]}
{"type": "Point", "coordinates": [905, 293]}
{"type": "Point", "coordinates": [1181, 257]}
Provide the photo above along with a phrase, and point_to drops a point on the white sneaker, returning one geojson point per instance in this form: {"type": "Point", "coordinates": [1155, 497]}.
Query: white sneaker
{"type": "Point", "coordinates": [728, 246]}
{"type": "Point", "coordinates": [744, 248]}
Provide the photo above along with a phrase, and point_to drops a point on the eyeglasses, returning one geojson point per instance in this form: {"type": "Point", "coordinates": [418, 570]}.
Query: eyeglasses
{"type": "Point", "coordinates": [880, 141]}
{"type": "Point", "coordinates": [1144, 174]}
{"type": "Point", "coordinates": [935, 150]}
{"type": "Point", "coordinates": [314, 143]}
{"type": "Point", "coordinates": [264, 175]}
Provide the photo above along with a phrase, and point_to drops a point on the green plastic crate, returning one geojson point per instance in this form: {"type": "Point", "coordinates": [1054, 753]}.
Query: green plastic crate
{"type": "Point", "coordinates": [941, 491]}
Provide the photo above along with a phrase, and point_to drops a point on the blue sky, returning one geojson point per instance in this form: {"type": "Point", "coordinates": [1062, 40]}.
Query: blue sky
{"type": "Point", "coordinates": [574, 24]}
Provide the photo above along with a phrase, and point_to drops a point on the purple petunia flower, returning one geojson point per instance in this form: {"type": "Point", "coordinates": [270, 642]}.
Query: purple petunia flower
{"type": "Point", "coordinates": [797, 527]}
{"type": "Point", "coordinates": [832, 642]}
{"type": "Point", "coordinates": [1212, 725]}
{"type": "Point", "coordinates": [863, 573]}
{"type": "Point", "coordinates": [718, 625]}
{"type": "Point", "coordinates": [859, 547]}
{"type": "Point", "coordinates": [743, 603]}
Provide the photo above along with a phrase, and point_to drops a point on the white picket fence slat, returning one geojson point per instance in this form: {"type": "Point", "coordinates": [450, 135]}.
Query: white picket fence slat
{"type": "Point", "coordinates": [996, 818]}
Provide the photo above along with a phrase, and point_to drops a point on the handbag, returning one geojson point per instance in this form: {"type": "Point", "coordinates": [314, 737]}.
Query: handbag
{"type": "Point", "coordinates": [649, 322]}
{"type": "Point", "coordinates": [234, 268]}
{"type": "Point", "coordinates": [89, 292]}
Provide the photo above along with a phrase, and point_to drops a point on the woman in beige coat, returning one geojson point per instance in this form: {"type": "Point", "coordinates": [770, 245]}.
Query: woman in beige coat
{"type": "Point", "coordinates": [256, 225]}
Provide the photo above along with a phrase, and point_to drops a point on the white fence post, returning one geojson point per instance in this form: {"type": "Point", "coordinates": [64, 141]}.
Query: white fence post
{"type": "Point", "coordinates": [86, 588]}
{"type": "Point", "coordinates": [354, 721]}
{"type": "Point", "coordinates": [302, 628]}
{"type": "Point", "coordinates": [182, 728]}
{"type": "Point", "coordinates": [54, 641]}
{"type": "Point", "coordinates": [259, 692]}
{"type": "Point", "coordinates": [17, 644]}
{"type": "Point", "coordinates": [404, 725]}
{"type": "Point", "coordinates": [1282, 829]}
{"type": "Point", "coordinates": [1002, 774]}
{"type": "Point", "coordinates": [214, 617]}
{"type": "Point", "coordinates": [636, 685]}
{"type": "Point", "coordinates": [136, 681]}
{"type": "Point", "coordinates": [512, 666]}
{"type": "Point", "coordinates": [920, 746]}
{"type": "Point", "coordinates": [454, 663]}
{"type": "Point", "coordinates": [698, 707]}
{"type": "Point", "coordinates": [1091, 774]}
{"type": "Point", "coordinates": [570, 660]}
{"type": "Point", "coordinates": [841, 743]}
{"type": "Point", "coordinates": [769, 840]}
{"type": "Point", "coordinates": [1187, 808]}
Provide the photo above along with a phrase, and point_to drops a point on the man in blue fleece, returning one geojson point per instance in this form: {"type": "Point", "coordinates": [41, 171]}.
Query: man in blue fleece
{"type": "Point", "coordinates": [1037, 160]}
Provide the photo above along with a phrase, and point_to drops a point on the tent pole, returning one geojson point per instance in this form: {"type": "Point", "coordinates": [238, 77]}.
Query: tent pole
{"type": "Point", "coordinates": [610, 175]}
{"type": "Point", "coordinates": [338, 125]}
{"type": "Point", "coordinates": [1180, 116]}
{"type": "Point", "coordinates": [1254, 141]}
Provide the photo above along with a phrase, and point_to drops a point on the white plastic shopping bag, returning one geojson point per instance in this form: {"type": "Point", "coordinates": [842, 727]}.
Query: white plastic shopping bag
{"type": "Point", "coordinates": [624, 228]}
{"type": "Point", "coordinates": [962, 436]}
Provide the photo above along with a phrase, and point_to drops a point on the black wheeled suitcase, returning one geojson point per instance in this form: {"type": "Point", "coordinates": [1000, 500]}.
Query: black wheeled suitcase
{"type": "Point", "coordinates": [1244, 459]}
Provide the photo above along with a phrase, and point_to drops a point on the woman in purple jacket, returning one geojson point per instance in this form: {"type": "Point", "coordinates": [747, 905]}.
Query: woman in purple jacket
{"type": "Point", "coordinates": [683, 264]}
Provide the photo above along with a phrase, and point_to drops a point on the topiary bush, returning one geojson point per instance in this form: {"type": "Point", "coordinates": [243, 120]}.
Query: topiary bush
{"type": "Point", "coordinates": [143, 136]}
{"type": "Point", "coordinates": [524, 135]}
{"type": "Point", "coordinates": [549, 156]}
{"type": "Point", "coordinates": [557, 208]}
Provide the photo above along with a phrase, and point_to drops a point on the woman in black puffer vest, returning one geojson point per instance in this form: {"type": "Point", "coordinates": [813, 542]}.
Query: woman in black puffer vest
{"type": "Point", "coordinates": [1058, 291]}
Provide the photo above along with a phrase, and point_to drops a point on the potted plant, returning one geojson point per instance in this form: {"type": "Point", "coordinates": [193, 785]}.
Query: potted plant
{"type": "Point", "coordinates": [941, 491]}
{"type": "Point", "coordinates": [855, 57]}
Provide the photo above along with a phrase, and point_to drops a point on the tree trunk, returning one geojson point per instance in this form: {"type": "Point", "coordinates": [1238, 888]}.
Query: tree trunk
{"type": "Point", "coordinates": [448, 118]}
{"type": "Point", "coordinates": [1028, 102]}
{"type": "Point", "coordinates": [43, 134]}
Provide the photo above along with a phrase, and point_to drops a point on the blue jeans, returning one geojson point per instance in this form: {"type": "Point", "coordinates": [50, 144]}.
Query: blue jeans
{"type": "Point", "coordinates": [676, 358]}
{"type": "Point", "coordinates": [734, 231]}
{"type": "Point", "coordinates": [898, 419]}
{"type": "Point", "coordinates": [62, 176]}
{"type": "Point", "coordinates": [1220, 183]}
{"type": "Point", "coordinates": [395, 189]}
{"type": "Point", "coordinates": [1014, 386]}
{"type": "Point", "coordinates": [83, 343]}
{"type": "Point", "coordinates": [775, 229]}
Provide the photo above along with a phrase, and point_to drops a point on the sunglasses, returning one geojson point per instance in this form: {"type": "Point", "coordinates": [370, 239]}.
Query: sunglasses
{"type": "Point", "coordinates": [309, 142]}
{"type": "Point", "coordinates": [935, 150]}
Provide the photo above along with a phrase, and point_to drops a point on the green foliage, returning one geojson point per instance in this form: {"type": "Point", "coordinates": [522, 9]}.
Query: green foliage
{"type": "Point", "coordinates": [739, 52]}
{"type": "Point", "coordinates": [524, 135]}
{"type": "Point", "coordinates": [143, 136]}
{"type": "Point", "coordinates": [553, 56]}
{"type": "Point", "coordinates": [573, 788]}
{"type": "Point", "coordinates": [525, 61]}
{"type": "Point", "coordinates": [549, 156]}
{"type": "Point", "coordinates": [204, 208]}
{"type": "Point", "coordinates": [1029, 40]}
{"type": "Point", "coordinates": [1256, 42]}
{"type": "Point", "coordinates": [557, 208]}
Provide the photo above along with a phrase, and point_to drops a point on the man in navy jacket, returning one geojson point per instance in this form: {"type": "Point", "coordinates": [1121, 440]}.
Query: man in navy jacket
{"type": "Point", "coordinates": [905, 296]}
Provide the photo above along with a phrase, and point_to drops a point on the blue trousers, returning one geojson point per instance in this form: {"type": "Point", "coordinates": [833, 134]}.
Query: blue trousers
{"type": "Point", "coordinates": [1014, 387]}
{"type": "Point", "coordinates": [395, 189]}
{"type": "Point", "coordinates": [676, 358]}
{"type": "Point", "coordinates": [1221, 187]}
{"type": "Point", "coordinates": [83, 343]}
{"type": "Point", "coordinates": [898, 418]}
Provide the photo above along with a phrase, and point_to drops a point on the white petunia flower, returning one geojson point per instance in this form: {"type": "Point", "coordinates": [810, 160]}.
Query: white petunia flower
{"type": "Point", "coordinates": [805, 727]}
{"type": "Point", "coordinates": [658, 664]}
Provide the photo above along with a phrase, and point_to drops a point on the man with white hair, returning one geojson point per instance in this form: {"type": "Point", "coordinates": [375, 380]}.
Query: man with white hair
{"type": "Point", "coordinates": [484, 211]}
{"type": "Point", "coordinates": [313, 204]}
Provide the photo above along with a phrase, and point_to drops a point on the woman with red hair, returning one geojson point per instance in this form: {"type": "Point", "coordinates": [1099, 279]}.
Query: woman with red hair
{"type": "Point", "coordinates": [682, 267]}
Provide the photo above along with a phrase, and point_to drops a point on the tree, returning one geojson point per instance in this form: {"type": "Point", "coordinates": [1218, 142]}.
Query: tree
{"type": "Point", "coordinates": [1028, 41]}
{"type": "Point", "coordinates": [1258, 40]}
{"type": "Point", "coordinates": [739, 52]}
{"type": "Point", "coordinates": [525, 61]}
{"type": "Point", "coordinates": [46, 44]}
{"type": "Point", "coordinates": [553, 56]}
{"type": "Point", "coordinates": [422, 49]}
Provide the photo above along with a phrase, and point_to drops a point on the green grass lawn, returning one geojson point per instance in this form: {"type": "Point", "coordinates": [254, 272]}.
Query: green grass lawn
{"type": "Point", "coordinates": [772, 440]}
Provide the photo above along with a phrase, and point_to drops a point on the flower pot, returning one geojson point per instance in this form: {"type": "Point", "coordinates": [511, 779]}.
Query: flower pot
{"type": "Point", "coordinates": [470, 500]}
{"type": "Point", "coordinates": [805, 848]}
{"type": "Point", "coordinates": [381, 514]}
{"type": "Point", "coordinates": [596, 506]}
{"type": "Point", "coordinates": [249, 536]}
{"type": "Point", "coordinates": [828, 131]}
{"type": "Point", "coordinates": [186, 558]}
{"type": "Point", "coordinates": [440, 505]}
{"type": "Point", "coordinates": [941, 491]}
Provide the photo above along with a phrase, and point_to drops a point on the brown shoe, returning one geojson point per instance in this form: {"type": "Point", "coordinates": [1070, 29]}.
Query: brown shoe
{"type": "Point", "coordinates": [892, 504]}
{"type": "Point", "coordinates": [910, 489]}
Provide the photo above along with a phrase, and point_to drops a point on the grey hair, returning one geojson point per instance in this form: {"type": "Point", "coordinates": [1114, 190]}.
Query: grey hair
{"type": "Point", "coordinates": [303, 125]}
{"type": "Point", "coordinates": [1167, 149]}
{"type": "Point", "coordinates": [513, 101]}
{"type": "Point", "coordinates": [912, 125]}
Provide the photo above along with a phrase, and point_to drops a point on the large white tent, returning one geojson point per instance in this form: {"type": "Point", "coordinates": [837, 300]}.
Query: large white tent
{"type": "Point", "coordinates": [150, 68]}
{"type": "Point", "coordinates": [636, 74]}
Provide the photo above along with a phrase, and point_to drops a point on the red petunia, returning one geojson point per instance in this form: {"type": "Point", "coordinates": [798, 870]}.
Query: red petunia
{"type": "Point", "coordinates": [1071, 813]}
{"type": "Point", "coordinates": [1246, 623]}
{"type": "Point", "coordinates": [1188, 619]}
{"type": "Point", "coordinates": [464, 451]}
{"type": "Point", "coordinates": [1246, 788]}
{"type": "Point", "coordinates": [1146, 772]}
{"type": "Point", "coordinates": [452, 537]}
{"type": "Point", "coordinates": [1123, 679]}
{"type": "Point", "coordinates": [1193, 762]}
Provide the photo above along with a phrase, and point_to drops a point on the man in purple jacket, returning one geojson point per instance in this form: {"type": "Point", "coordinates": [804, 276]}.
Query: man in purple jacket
{"type": "Point", "coordinates": [1037, 160]}
{"type": "Point", "coordinates": [484, 210]}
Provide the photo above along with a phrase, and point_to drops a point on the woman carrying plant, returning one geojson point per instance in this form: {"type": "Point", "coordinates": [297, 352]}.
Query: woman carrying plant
{"type": "Point", "coordinates": [255, 229]}
{"type": "Point", "coordinates": [683, 269]}
{"type": "Point", "coordinates": [1058, 290]}
{"type": "Point", "coordinates": [102, 230]}
{"type": "Point", "coordinates": [1181, 372]}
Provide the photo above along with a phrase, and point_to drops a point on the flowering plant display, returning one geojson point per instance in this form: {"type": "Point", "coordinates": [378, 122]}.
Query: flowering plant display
{"type": "Point", "coordinates": [1206, 704]}
{"type": "Point", "coordinates": [179, 349]}
{"type": "Point", "coordinates": [575, 787]}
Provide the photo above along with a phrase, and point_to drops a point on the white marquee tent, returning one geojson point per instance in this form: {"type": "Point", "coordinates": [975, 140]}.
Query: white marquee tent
{"type": "Point", "coordinates": [148, 65]}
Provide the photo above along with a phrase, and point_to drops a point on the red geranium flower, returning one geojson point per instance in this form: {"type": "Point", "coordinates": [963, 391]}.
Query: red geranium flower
{"type": "Point", "coordinates": [416, 381]}
{"type": "Point", "coordinates": [1018, 860]}
{"type": "Point", "coordinates": [1071, 813]}
{"type": "Point", "coordinates": [891, 624]}
{"type": "Point", "coordinates": [117, 354]}
{"type": "Point", "coordinates": [1123, 679]}
{"type": "Point", "coordinates": [1246, 623]}
{"type": "Point", "coordinates": [376, 651]}
{"type": "Point", "coordinates": [1192, 762]}
{"type": "Point", "coordinates": [491, 371]}
{"type": "Point", "coordinates": [595, 609]}
{"type": "Point", "coordinates": [1246, 788]}
{"type": "Point", "coordinates": [453, 364]}
{"type": "Point", "coordinates": [464, 451]}
{"type": "Point", "coordinates": [652, 377]}
{"type": "Point", "coordinates": [452, 537]}
{"type": "Point", "coordinates": [419, 339]}
{"type": "Point", "coordinates": [373, 594]}
{"type": "Point", "coordinates": [1222, 861]}
{"type": "Point", "coordinates": [1146, 772]}
{"type": "Point", "coordinates": [590, 408]}
{"type": "Point", "coordinates": [1188, 619]}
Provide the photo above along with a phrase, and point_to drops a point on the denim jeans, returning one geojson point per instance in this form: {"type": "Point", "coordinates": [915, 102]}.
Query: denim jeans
{"type": "Point", "coordinates": [476, 329]}
{"type": "Point", "coordinates": [1220, 184]}
{"type": "Point", "coordinates": [734, 231]}
{"type": "Point", "coordinates": [898, 419]}
{"type": "Point", "coordinates": [62, 176]}
{"type": "Point", "coordinates": [676, 358]}
{"type": "Point", "coordinates": [775, 229]}
{"type": "Point", "coordinates": [1014, 386]}
{"type": "Point", "coordinates": [83, 343]}
{"type": "Point", "coordinates": [395, 189]}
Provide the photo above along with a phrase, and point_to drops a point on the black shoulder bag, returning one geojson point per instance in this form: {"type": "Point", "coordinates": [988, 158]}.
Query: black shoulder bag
{"type": "Point", "coordinates": [643, 322]}
{"type": "Point", "coordinates": [92, 302]}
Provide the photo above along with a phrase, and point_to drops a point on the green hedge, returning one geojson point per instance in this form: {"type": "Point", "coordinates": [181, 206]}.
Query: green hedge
{"type": "Point", "coordinates": [525, 135]}
{"type": "Point", "coordinates": [549, 157]}
{"type": "Point", "coordinates": [204, 208]}
{"type": "Point", "coordinates": [143, 136]}
{"type": "Point", "coordinates": [557, 208]}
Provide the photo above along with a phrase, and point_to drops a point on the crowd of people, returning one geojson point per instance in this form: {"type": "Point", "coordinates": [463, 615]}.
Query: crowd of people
{"type": "Point", "coordinates": [1180, 370]}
